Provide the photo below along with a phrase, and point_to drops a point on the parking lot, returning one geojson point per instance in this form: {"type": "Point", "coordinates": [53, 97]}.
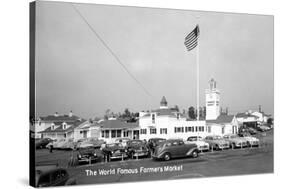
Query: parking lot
{"type": "Point", "coordinates": [217, 163]}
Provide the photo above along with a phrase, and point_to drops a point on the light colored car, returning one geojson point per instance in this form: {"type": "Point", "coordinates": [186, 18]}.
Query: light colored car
{"type": "Point", "coordinates": [235, 141]}
{"type": "Point", "coordinates": [201, 144]}
{"type": "Point", "coordinates": [216, 142]}
{"type": "Point", "coordinates": [251, 141]}
{"type": "Point", "coordinates": [89, 142]}
{"type": "Point", "coordinates": [63, 144]}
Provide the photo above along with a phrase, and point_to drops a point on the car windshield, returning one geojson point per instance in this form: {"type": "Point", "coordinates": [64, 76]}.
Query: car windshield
{"type": "Point", "coordinates": [194, 139]}
{"type": "Point", "coordinates": [112, 145]}
{"type": "Point", "coordinates": [217, 137]}
{"type": "Point", "coordinates": [135, 142]}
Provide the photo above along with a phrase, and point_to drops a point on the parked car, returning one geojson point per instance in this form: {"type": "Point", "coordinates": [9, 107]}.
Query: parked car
{"type": "Point", "coordinates": [263, 128]}
{"type": "Point", "coordinates": [216, 142]}
{"type": "Point", "coordinates": [252, 131]}
{"type": "Point", "coordinates": [154, 142]}
{"type": "Point", "coordinates": [64, 144]}
{"type": "Point", "coordinates": [52, 175]}
{"type": "Point", "coordinates": [137, 148]}
{"type": "Point", "coordinates": [235, 141]}
{"type": "Point", "coordinates": [42, 143]}
{"type": "Point", "coordinates": [87, 155]}
{"type": "Point", "coordinates": [89, 142]}
{"type": "Point", "coordinates": [251, 141]}
{"type": "Point", "coordinates": [122, 141]}
{"type": "Point", "coordinates": [201, 145]}
{"type": "Point", "coordinates": [173, 149]}
{"type": "Point", "coordinates": [115, 151]}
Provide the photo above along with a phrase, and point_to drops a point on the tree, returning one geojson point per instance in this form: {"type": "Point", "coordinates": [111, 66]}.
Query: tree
{"type": "Point", "coordinates": [191, 112]}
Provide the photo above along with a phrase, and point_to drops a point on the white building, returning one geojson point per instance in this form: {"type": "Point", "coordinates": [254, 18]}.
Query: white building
{"type": "Point", "coordinates": [261, 116]}
{"type": "Point", "coordinates": [168, 123]}
{"type": "Point", "coordinates": [224, 124]}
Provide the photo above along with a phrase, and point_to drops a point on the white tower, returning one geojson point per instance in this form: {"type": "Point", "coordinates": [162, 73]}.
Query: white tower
{"type": "Point", "coordinates": [212, 101]}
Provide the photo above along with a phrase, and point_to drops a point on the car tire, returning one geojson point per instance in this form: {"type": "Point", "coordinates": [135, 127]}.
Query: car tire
{"type": "Point", "coordinates": [194, 154]}
{"type": "Point", "coordinates": [232, 145]}
{"type": "Point", "coordinates": [167, 156]}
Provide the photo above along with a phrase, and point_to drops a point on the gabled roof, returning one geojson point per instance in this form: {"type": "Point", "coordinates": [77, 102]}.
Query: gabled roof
{"type": "Point", "coordinates": [53, 118]}
{"type": "Point", "coordinates": [117, 124]}
{"type": "Point", "coordinates": [222, 119]}
{"type": "Point", "coordinates": [59, 129]}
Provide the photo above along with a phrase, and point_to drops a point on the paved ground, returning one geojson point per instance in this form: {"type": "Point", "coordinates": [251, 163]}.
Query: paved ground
{"type": "Point", "coordinates": [219, 163]}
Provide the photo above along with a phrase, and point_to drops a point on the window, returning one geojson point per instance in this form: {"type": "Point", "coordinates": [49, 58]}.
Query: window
{"type": "Point", "coordinates": [201, 128]}
{"type": "Point", "coordinates": [178, 115]}
{"type": "Point", "coordinates": [143, 131]}
{"type": "Point", "coordinates": [102, 134]}
{"type": "Point", "coordinates": [118, 133]}
{"type": "Point", "coordinates": [64, 126]}
{"type": "Point", "coordinates": [125, 133]}
{"type": "Point", "coordinates": [113, 133]}
{"type": "Point", "coordinates": [196, 129]}
{"type": "Point", "coordinates": [209, 129]}
{"type": "Point", "coordinates": [222, 130]}
{"type": "Point", "coordinates": [179, 129]}
{"type": "Point", "coordinates": [153, 118]}
{"type": "Point", "coordinates": [107, 134]}
{"type": "Point", "coordinates": [163, 130]}
{"type": "Point", "coordinates": [152, 131]}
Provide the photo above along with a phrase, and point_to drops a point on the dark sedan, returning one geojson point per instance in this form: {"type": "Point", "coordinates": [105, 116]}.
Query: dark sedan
{"type": "Point", "coordinates": [114, 151]}
{"type": "Point", "coordinates": [137, 148]}
{"type": "Point", "coordinates": [42, 143]}
{"type": "Point", "coordinates": [174, 149]}
{"type": "Point", "coordinates": [154, 142]}
{"type": "Point", "coordinates": [87, 155]}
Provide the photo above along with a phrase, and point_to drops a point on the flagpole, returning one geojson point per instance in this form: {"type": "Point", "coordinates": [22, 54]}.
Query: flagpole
{"type": "Point", "coordinates": [197, 65]}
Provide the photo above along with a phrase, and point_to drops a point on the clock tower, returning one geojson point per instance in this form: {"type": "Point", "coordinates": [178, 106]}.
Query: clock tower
{"type": "Point", "coordinates": [212, 101]}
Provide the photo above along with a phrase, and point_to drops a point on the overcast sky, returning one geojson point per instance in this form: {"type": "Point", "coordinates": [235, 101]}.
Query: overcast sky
{"type": "Point", "coordinates": [74, 70]}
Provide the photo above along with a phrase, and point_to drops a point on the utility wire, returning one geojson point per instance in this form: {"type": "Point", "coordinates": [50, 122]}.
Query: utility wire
{"type": "Point", "coordinates": [111, 52]}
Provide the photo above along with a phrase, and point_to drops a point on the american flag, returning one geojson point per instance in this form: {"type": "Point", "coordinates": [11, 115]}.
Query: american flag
{"type": "Point", "coordinates": [191, 40]}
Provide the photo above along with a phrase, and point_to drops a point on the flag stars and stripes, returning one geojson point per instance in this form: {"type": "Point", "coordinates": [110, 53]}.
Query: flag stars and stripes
{"type": "Point", "coordinates": [191, 40]}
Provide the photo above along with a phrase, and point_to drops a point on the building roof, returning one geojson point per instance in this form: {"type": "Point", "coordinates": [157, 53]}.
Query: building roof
{"type": "Point", "coordinates": [245, 115]}
{"type": "Point", "coordinates": [222, 119]}
{"type": "Point", "coordinates": [117, 124]}
{"type": "Point", "coordinates": [53, 118]}
{"type": "Point", "coordinates": [59, 129]}
{"type": "Point", "coordinates": [164, 112]}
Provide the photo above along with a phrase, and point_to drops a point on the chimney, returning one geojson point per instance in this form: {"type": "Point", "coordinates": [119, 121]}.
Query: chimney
{"type": "Point", "coordinates": [70, 113]}
{"type": "Point", "coordinates": [56, 114]}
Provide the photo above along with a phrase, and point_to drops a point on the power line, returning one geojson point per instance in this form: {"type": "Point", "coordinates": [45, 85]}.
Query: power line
{"type": "Point", "coordinates": [111, 51]}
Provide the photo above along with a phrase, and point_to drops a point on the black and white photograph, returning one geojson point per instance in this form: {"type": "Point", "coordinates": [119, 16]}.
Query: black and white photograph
{"type": "Point", "coordinates": [128, 94]}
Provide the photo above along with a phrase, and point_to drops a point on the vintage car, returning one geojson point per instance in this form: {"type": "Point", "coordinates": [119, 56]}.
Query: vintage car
{"type": "Point", "coordinates": [122, 141]}
{"type": "Point", "coordinates": [251, 141]}
{"type": "Point", "coordinates": [89, 142]}
{"type": "Point", "coordinates": [201, 145]}
{"type": "Point", "coordinates": [115, 151]}
{"type": "Point", "coordinates": [42, 143]}
{"type": "Point", "coordinates": [174, 148]}
{"type": "Point", "coordinates": [216, 142]}
{"type": "Point", "coordinates": [137, 148]}
{"type": "Point", "coordinates": [64, 144]}
{"type": "Point", "coordinates": [235, 141]}
{"type": "Point", "coordinates": [87, 155]}
{"type": "Point", "coordinates": [263, 128]}
{"type": "Point", "coordinates": [52, 175]}
{"type": "Point", "coordinates": [154, 142]}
